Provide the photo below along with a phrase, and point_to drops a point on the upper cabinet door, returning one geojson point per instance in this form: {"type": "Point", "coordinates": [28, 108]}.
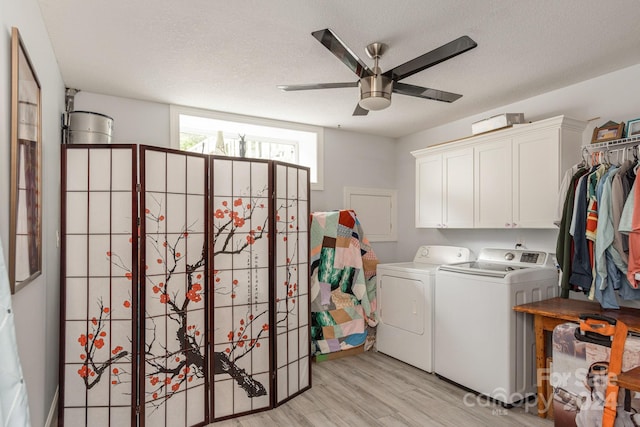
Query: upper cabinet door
{"type": "Point", "coordinates": [536, 178]}
{"type": "Point", "coordinates": [493, 185]}
{"type": "Point", "coordinates": [457, 209]}
{"type": "Point", "coordinates": [429, 191]}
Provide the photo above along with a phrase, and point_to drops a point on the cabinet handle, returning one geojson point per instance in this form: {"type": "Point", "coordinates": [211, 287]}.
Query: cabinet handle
{"type": "Point", "coordinates": [514, 225]}
{"type": "Point", "coordinates": [506, 224]}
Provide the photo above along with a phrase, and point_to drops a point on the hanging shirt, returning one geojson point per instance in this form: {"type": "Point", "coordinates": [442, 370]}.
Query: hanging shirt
{"type": "Point", "coordinates": [581, 274]}
{"type": "Point", "coordinates": [564, 245]}
{"type": "Point", "coordinates": [591, 225]}
{"type": "Point", "coordinates": [634, 239]}
{"type": "Point", "coordinates": [572, 227]}
{"type": "Point", "coordinates": [567, 180]}
{"type": "Point", "coordinates": [604, 232]}
{"type": "Point", "coordinates": [592, 204]}
{"type": "Point", "coordinates": [602, 291]}
{"type": "Point", "coordinates": [619, 195]}
{"type": "Point", "coordinates": [629, 178]}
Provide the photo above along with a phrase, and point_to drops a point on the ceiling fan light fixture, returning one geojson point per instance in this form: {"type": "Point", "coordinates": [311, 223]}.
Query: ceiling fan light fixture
{"type": "Point", "coordinates": [375, 92]}
{"type": "Point", "coordinates": [376, 87]}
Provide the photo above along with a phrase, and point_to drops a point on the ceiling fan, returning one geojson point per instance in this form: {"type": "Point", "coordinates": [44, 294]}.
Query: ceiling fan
{"type": "Point", "coordinates": [375, 86]}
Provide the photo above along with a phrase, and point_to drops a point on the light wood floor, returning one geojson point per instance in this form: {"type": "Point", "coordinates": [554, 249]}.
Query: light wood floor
{"type": "Point", "coordinates": [372, 389]}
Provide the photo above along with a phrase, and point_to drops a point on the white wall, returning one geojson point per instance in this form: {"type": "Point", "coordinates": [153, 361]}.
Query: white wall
{"type": "Point", "coordinates": [350, 159]}
{"type": "Point", "coordinates": [134, 122]}
{"type": "Point", "coordinates": [359, 160]}
{"type": "Point", "coordinates": [35, 306]}
{"type": "Point", "coordinates": [356, 160]}
{"type": "Point", "coordinates": [608, 97]}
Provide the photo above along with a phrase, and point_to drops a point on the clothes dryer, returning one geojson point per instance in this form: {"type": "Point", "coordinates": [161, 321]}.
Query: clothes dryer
{"type": "Point", "coordinates": [405, 294]}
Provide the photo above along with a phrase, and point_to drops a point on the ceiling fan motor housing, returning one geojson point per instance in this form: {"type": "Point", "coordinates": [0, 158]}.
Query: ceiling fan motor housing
{"type": "Point", "coordinates": [375, 92]}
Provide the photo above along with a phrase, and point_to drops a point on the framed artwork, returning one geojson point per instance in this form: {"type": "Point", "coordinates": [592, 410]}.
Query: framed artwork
{"type": "Point", "coordinates": [608, 132]}
{"type": "Point", "coordinates": [25, 222]}
{"type": "Point", "coordinates": [633, 128]}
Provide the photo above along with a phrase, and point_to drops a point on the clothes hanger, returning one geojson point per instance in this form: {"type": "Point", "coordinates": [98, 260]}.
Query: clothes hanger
{"type": "Point", "coordinates": [606, 161]}
{"type": "Point", "coordinates": [584, 158]}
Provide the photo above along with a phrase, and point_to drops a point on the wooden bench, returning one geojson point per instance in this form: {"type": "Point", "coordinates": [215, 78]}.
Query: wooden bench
{"type": "Point", "coordinates": [547, 314]}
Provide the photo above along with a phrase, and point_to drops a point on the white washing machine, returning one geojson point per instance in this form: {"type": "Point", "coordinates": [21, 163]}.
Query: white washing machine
{"type": "Point", "coordinates": [405, 297]}
{"type": "Point", "coordinates": [480, 342]}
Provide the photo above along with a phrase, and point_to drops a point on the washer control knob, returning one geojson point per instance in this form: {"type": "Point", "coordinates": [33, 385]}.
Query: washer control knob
{"type": "Point", "coordinates": [509, 256]}
{"type": "Point", "coordinates": [424, 252]}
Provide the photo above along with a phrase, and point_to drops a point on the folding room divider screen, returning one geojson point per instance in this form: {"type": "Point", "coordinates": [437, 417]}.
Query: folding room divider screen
{"type": "Point", "coordinates": [185, 283]}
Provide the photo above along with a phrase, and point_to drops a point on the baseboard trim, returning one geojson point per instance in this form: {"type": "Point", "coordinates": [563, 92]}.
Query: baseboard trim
{"type": "Point", "coordinates": [51, 418]}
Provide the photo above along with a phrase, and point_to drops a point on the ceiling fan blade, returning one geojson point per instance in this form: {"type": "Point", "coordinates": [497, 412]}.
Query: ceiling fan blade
{"type": "Point", "coordinates": [342, 52]}
{"type": "Point", "coordinates": [425, 92]}
{"type": "Point", "coordinates": [289, 88]}
{"type": "Point", "coordinates": [359, 111]}
{"type": "Point", "coordinates": [436, 56]}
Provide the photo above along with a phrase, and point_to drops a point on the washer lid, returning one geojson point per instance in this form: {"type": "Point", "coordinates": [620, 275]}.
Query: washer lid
{"type": "Point", "coordinates": [483, 268]}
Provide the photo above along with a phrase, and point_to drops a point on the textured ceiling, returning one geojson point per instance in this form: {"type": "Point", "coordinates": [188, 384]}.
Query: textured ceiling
{"type": "Point", "coordinates": [230, 55]}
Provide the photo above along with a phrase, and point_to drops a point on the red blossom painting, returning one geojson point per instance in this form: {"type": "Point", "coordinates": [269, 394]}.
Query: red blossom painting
{"type": "Point", "coordinates": [95, 364]}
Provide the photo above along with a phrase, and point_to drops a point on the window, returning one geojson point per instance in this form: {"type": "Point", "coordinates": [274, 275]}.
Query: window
{"type": "Point", "coordinates": [225, 134]}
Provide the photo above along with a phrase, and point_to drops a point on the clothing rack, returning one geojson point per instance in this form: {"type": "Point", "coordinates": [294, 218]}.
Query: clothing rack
{"type": "Point", "coordinates": [615, 145]}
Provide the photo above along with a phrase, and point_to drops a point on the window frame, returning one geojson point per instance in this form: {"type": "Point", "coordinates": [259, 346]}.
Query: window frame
{"type": "Point", "coordinates": [174, 127]}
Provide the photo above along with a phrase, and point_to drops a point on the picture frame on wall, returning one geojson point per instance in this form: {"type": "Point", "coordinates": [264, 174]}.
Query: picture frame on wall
{"type": "Point", "coordinates": [633, 128]}
{"type": "Point", "coordinates": [609, 132]}
{"type": "Point", "coordinates": [25, 218]}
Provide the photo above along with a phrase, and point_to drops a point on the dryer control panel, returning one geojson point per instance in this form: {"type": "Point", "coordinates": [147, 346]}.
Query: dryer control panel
{"type": "Point", "coordinates": [441, 254]}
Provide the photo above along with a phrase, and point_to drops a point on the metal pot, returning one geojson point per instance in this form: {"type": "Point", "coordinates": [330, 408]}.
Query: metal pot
{"type": "Point", "coordinates": [85, 127]}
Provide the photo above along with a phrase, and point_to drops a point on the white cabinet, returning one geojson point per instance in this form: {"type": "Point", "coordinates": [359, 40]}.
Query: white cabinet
{"type": "Point", "coordinates": [536, 178]}
{"type": "Point", "coordinates": [429, 191]}
{"type": "Point", "coordinates": [503, 179]}
{"type": "Point", "coordinates": [457, 188]}
{"type": "Point", "coordinates": [444, 188]}
{"type": "Point", "coordinates": [493, 187]}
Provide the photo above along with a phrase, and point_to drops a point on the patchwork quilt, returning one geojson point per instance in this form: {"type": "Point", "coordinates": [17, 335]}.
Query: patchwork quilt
{"type": "Point", "coordinates": [343, 283]}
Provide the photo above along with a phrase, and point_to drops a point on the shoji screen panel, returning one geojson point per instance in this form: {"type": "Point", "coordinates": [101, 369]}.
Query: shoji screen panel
{"type": "Point", "coordinates": [174, 257]}
{"type": "Point", "coordinates": [98, 293]}
{"type": "Point", "coordinates": [242, 326]}
{"type": "Point", "coordinates": [291, 304]}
